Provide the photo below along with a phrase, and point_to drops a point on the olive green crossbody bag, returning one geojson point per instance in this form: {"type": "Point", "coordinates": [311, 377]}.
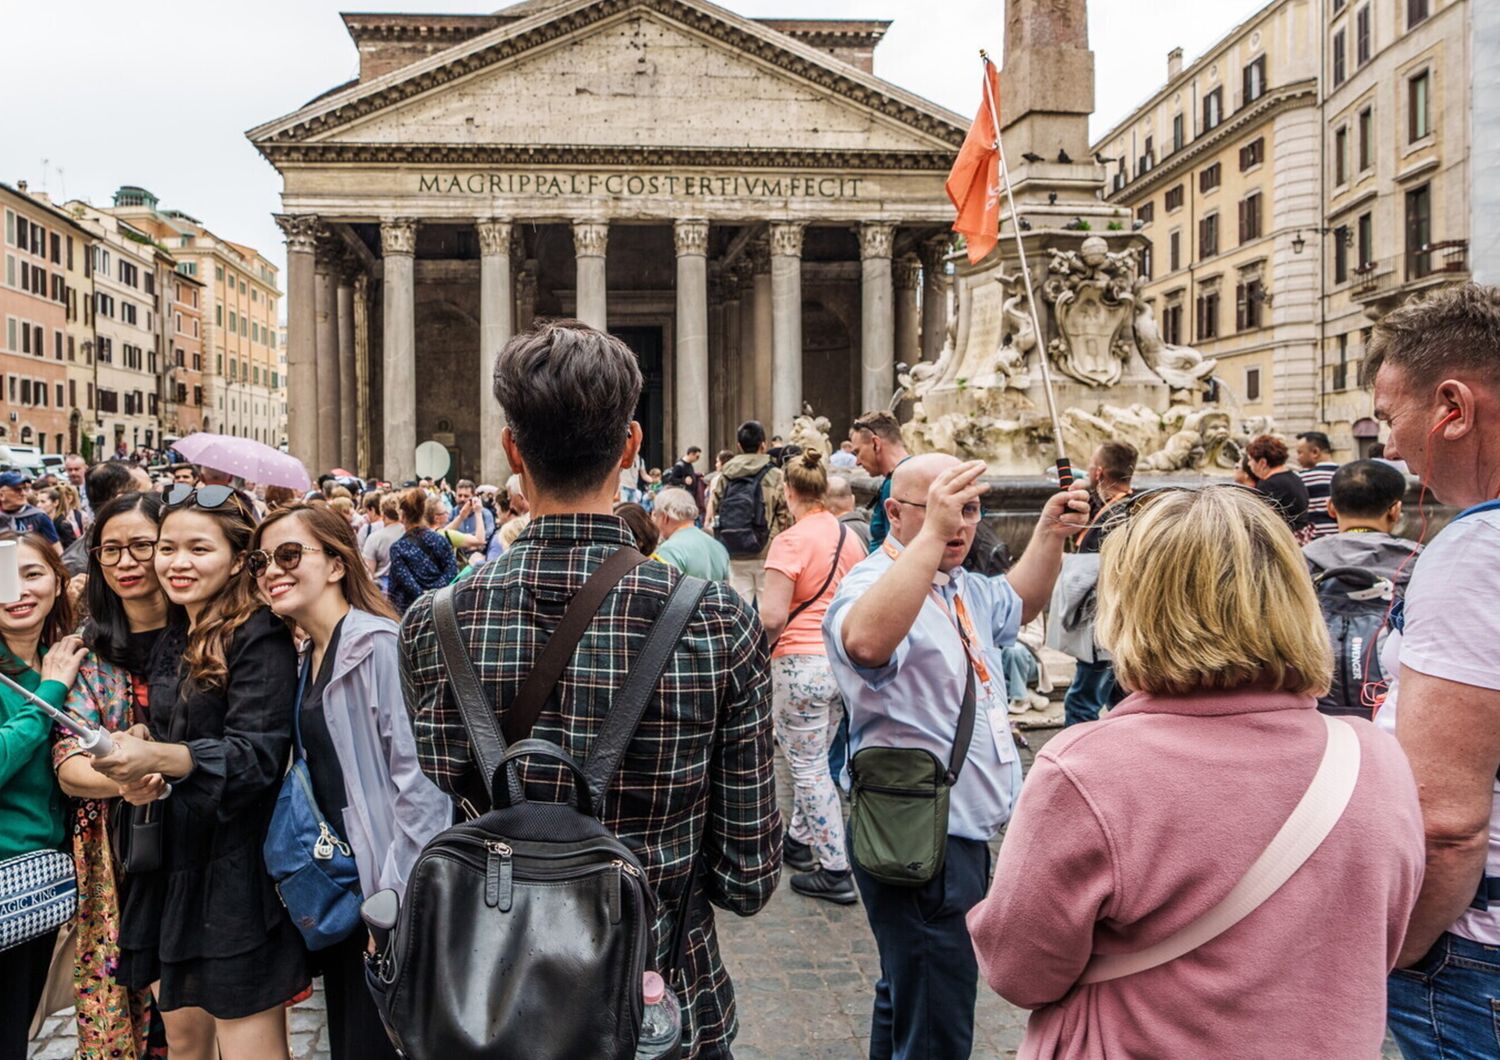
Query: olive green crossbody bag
{"type": "Point", "coordinates": [898, 819]}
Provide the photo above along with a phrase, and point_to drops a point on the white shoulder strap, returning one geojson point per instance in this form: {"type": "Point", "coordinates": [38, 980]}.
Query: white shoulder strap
{"type": "Point", "coordinates": [1309, 824]}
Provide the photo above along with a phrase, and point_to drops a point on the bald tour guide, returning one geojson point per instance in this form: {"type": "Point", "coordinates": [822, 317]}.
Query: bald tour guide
{"type": "Point", "coordinates": [908, 635]}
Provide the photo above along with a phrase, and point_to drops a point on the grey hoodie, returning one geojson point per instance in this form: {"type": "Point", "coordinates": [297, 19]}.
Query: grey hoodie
{"type": "Point", "coordinates": [1381, 554]}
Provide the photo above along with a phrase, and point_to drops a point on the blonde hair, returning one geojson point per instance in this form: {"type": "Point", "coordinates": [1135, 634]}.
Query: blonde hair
{"type": "Point", "coordinates": [1207, 589]}
{"type": "Point", "coordinates": [806, 475]}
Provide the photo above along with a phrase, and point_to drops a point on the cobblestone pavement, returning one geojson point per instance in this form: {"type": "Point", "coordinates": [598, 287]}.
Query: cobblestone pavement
{"type": "Point", "coordinates": [804, 974]}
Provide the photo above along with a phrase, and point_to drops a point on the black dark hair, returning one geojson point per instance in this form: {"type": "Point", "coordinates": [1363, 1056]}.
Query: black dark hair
{"type": "Point", "coordinates": [569, 393]}
{"type": "Point", "coordinates": [104, 482]}
{"type": "Point", "coordinates": [1317, 438]}
{"type": "Point", "coordinates": [750, 437]}
{"type": "Point", "coordinates": [107, 631]}
{"type": "Point", "coordinates": [1366, 489]}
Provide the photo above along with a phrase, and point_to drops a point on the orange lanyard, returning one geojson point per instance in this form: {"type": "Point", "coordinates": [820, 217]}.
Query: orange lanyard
{"type": "Point", "coordinates": [959, 616]}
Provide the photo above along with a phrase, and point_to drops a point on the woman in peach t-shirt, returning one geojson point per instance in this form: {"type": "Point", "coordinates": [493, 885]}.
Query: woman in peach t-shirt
{"type": "Point", "coordinates": [803, 569]}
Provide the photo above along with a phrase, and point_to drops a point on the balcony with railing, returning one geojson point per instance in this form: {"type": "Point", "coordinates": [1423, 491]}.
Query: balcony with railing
{"type": "Point", "coordinates": [1381, 285]}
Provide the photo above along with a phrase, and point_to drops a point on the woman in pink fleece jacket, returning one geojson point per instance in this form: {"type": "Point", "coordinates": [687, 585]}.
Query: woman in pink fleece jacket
{"type": "Point", "coordinates": [1132, 827]}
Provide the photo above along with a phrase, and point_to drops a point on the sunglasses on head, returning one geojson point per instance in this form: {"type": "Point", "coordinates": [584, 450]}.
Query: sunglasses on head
{"type": "Point", "coordinates": [183, 494]}
{"type": "Point", "coordinates": [286, 555]}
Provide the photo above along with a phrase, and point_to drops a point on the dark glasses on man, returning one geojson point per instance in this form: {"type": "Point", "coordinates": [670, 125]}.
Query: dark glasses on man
{"type": "Point", "coordinates": [287, 556]}
{"type": "Point", "coordinates": [183, 494]}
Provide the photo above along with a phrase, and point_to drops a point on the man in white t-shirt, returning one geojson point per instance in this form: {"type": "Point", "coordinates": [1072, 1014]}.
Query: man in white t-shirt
{"type": "Point", "coordinates": [1435, 366]}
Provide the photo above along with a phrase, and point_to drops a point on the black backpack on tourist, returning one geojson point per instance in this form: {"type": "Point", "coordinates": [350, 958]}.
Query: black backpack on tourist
{"type": "Point", "coordinates": [1356, 603]}
{"type": "Point", "coordinates": [526, 931]}
{"type": "Point", "coordinates": [742, 527]}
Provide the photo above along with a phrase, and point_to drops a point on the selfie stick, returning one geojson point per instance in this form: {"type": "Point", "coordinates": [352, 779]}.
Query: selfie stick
{"type": "Point", "coordinates": [1064, 468]}
{"type": "Point", "coordinates": [95, 742]}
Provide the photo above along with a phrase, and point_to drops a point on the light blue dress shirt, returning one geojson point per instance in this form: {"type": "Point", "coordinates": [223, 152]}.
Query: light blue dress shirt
{"type": "Point", "coordinates": [914, 699]}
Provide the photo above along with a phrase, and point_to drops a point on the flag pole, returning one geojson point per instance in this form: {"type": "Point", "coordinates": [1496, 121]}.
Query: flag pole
{"type": "Point", "coordinates": [1064, 468]}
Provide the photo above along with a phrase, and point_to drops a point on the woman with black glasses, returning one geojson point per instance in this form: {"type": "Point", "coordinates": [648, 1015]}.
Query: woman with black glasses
{"type": "Point", "coordinates": [206, 931]}
{"type": "Point", "coordinates": [354, 734]}
{"type": "Point", "coordinates": [127, 613]}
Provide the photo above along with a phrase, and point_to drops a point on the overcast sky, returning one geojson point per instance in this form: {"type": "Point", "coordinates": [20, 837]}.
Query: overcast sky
{"type": "Point", "coordinates": [160, 93]}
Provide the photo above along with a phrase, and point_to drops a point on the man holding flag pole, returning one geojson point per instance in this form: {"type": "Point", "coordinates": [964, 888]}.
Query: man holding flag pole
{"type": "Point", "coordinates": [909, 634]}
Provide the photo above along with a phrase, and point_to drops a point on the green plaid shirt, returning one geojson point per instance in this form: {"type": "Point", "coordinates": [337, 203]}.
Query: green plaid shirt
{"type": "Point", "coordinates": [696, 785]}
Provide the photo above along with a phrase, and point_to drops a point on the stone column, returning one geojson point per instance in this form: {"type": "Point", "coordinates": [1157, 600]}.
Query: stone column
{"type": "Point", "coordinates": [526, 298]}
{"type": "Point", "coordinates": [348, 414]}
{"type": "Point", "coordinates": [907, 272]}
{"type": "Point", "coordinates": [934, 296]}
{"type": "Point", "coordinates": [786, 325]}
{"type": "Point", "coordinates": [398, 246]}
{"type": "Point", "coordinates": [718, 390]}
{"type": "Point", "coordinates": [364, 422]}
{"type": "Point", "coordinates": [330, 397]}
{"type": "Point", "coordinates": [744, 405]}
{"type": "Point", "coordinates": [690, 422]}
{"type": "Point", "coordinates": [590, 240]}
{"type": "Point", "coordinates": [301, 231]}
{"type": "Point", "coordinates": [760, 263]}
{"type": "Point", "coordinates": [877, 319]}
{"type": "Point", "coordinates": [496, 326]}
{"type": "Point", "coordinates": [730, 356]}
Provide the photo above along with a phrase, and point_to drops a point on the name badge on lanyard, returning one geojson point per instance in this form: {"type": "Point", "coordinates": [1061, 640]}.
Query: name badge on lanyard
{"type": "Point", "coordinates": [969, 637]}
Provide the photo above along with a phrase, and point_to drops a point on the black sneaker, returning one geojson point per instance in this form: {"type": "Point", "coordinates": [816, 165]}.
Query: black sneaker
{"type": "Point", "coordinates": [799, 856]}
{"type": "Point", "coordinates": [826, 884]}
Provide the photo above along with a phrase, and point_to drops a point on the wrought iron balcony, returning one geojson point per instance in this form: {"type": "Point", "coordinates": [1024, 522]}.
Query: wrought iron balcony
{"type": "Point", "coordinates": [1381, 285]}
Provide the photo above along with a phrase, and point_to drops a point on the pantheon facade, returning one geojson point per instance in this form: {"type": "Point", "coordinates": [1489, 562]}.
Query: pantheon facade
{"type": "Point", "coordinates": [741, 201]}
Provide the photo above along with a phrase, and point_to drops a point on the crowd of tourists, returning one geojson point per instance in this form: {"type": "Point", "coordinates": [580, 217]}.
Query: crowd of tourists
{"type": "Point", "coordinates": [304, 690]}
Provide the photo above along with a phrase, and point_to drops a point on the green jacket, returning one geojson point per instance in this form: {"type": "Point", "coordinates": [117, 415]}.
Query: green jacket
{"type": "Point", "coordinates": [778, 517]}
{"type": "Point", "coordinates": [31, 804]}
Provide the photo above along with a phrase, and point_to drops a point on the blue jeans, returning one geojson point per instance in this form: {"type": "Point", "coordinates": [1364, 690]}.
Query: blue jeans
{"type": "Point", "coordinates": [1092, 690]}
{"type": "Point", "coordinates": [838, 752]}
{"type": "Point", "coordinates": [1020, 670]}
{"type": "Point", "coordinates": [1447, 1006]}
{"type": "Point", "coordinates": [924, 1000]}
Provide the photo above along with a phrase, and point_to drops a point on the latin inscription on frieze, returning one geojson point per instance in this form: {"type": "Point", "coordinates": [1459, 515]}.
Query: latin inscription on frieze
{"type": "Point", "coordinates": [633, 185]}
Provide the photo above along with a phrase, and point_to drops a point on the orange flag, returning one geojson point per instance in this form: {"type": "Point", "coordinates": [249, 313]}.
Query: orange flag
{"type": "Point", "coordinates": [974, 182]}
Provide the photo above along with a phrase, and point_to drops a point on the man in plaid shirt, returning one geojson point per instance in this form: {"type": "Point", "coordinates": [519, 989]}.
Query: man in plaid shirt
{"type": "Point", "coordinates": [695, 795]}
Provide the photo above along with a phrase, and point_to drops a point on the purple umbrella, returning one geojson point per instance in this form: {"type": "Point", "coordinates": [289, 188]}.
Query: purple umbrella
{"type": "Point", "coordinates": [251, 460]}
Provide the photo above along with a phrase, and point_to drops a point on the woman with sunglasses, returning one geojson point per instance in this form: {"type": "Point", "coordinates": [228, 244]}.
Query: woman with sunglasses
{"type": "Point", "coordinates": [355, 733]}
{"type": "Point", "coordinates": [206, 931]}
{"type": "Point", "coordinates": [127, 613]}
{"type": "Point", "coordinates": [31, 807]}
{"type": "Point", "coordinates": [421, 559]}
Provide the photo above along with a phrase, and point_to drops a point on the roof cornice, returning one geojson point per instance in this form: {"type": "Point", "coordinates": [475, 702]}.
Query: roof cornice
{"type": "Point", "coordinates": [514, 39]}
{"type": "Point", "coordinates": [938, 161]}
{"type": "Point", "coordinates": [1276, 100]}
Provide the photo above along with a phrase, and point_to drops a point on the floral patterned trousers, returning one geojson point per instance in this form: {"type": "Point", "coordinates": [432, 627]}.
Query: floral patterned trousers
{"type": "Point", "coordinates": [806, 708]}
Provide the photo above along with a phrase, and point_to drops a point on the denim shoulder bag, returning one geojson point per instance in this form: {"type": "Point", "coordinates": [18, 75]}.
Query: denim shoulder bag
{"type": "Point", "coordinates": [315, 873]}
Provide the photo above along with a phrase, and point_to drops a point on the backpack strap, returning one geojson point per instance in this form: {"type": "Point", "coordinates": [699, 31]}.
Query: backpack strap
{"type": "Point", "coordinates": [548, 669]}
{"type": "Point", "coordinates": [1315, 815]}
{"type": "Point", "coordinates": [838, 554]}
{"type": "Point", "coordinates": [625, 712]}
{"type": "Point", "coordinates": [474, 705]}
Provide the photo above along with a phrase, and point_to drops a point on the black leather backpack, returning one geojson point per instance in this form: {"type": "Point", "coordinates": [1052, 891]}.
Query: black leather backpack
{"type": "Point", "coordinates": [525, 932]}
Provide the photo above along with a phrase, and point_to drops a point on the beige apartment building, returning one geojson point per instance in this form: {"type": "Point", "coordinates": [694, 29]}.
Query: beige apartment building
{"type": "Point", "coordinates": [1220, 167]}
{"type": "Point", "coordinates": [242, 376]}
{"type": "Point", "coordinates": [126, 337]}
{"type": "Point", "coordinates": [1397, 181]}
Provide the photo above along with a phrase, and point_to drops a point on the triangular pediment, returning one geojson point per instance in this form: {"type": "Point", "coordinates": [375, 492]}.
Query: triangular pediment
{"type": "Point", "coordinates": [624, 74]}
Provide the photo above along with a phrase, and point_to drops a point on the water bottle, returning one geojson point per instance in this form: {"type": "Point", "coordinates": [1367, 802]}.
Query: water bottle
{"type": "Point", "coordinates": [661, 1023]}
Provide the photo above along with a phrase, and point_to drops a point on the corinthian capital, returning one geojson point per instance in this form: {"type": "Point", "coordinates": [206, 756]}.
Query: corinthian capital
{"type": "Point", "coordinates": [935, 253]}
{"type": "Point", "coordinates": [875, 239]}
{"type": "Point", "coordinates": [690, 237]}
{"type": "Point", "coordinates": [300, 229]}
{"type": "Point", "coordinates": [398, 236]}
{"type": "Point", "coordinates": [786, 239]}
{"type": "Point", "coordinates": [590, 238]}
{"type": "Point", "coordinates": [907, 272]}
{"type": "Point", "coordinates": [494, 237]}
{"type": "Point", "coordinates": [759, 253]}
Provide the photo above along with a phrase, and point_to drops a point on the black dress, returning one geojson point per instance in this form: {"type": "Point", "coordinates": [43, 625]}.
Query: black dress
{"type": "Point", "coordinates": [208, 924]}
